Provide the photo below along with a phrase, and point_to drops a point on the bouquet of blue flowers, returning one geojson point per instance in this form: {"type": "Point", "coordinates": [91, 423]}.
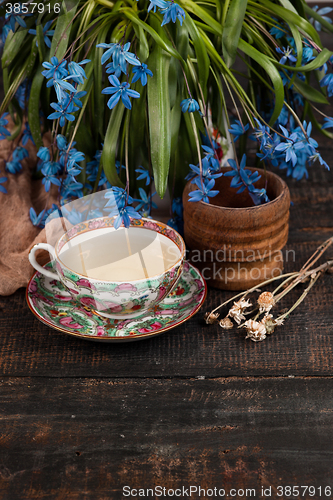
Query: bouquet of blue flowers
{"type": "Point", "coordinates": [168, 71]}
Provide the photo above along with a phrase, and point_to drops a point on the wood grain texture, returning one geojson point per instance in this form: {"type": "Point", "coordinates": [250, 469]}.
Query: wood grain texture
{"type": "Point", "coordinates": [234, 243]}
{"type": "Point", "coordinates": [303, 346]}
{"type": "Point", "coordinates": [79, 420]}
{"type": "Point", "coordinates": [86, 439]}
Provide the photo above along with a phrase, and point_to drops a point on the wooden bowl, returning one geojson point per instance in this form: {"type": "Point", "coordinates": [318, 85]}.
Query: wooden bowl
{"type": "Point", "coordinates": [237, 245]}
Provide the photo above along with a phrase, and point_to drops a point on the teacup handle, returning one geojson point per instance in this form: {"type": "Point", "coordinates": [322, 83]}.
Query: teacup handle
{"type": "Point", "coordinates": [38, 267]}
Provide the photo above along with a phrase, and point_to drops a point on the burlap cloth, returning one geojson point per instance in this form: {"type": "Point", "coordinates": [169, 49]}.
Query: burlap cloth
{"type": "Point", "coordinates": [17, 233]}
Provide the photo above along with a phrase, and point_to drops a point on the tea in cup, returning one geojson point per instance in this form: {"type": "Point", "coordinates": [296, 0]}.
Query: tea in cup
{"type": "Point", "coordinates": [118, 273]}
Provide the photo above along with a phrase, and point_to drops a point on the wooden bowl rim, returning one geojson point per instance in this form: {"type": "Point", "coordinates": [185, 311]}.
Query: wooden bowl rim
{"type": "Point", "coordinates": [284, 193]}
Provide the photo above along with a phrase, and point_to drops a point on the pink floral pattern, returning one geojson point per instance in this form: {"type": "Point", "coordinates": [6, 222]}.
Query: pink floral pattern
{"type": "Point", "coordinates": [46, 302]}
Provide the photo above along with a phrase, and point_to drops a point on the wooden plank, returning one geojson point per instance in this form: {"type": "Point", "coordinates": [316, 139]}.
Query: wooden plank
{"type": "Point", "coordinates": [86, 439]}
{"type": "Point", "coordinates": [303, 346]}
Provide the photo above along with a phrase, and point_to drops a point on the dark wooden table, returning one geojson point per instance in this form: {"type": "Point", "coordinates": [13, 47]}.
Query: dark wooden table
{"type": "Point", "coordinates": [197, 406]}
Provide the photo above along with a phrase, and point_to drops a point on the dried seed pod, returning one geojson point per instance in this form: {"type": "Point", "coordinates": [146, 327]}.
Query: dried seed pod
{"type": "Point", "coordinates": [211, 318]}
{"type": "Point", "coordinates": [265, 302]}
{"type": "Point", "coordinates": [226, 323]}
{"type": "Point", "coordinates": [236, 312]}
{"type": "Point", "coordinates": [256, 330]}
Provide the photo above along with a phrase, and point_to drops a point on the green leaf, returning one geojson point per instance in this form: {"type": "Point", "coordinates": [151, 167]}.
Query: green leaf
{"type": "Point", "coordinates": [159, 117]}
{"type": "Point", "coordinates": [162, 41]}
{"type": "Point", "coordinates": [60, 38]}
{"type": "Point", "coordinates": [138, 128]}
{"type": "Point", "coordinates": [99, 99]}
{"type": "Point", "coordinates": [316, 63]}
{"type": "Point", "coordinates": [317, 125]}
{"type": "Point", "coordinates": [13, 46]}
{"type": "Point", "coordinates": [289, 16]}
{"type": "Point", "coordinates": [201, 54]}
{"type": "Point", "coordinates": [175, 118]}
{"type": "Point", "coordinates": [272, 72]}
{"type": "Point", "coordinates": [108, 159]}
{"type": "Point", "coordinates": [143, 52]}
{"type": "Point", "coordinates": [202, 14]}
{"type": "Point", "coordinates": [33, 108]}
{"type": "Point", "coordinates": [32, 60]}
{"type": "Point", "coordinates": [18, 118]}
{"type": "Point", "coordinates": [309, 92]}
{"type": "Point", "coordinates": [182, 157]}
{"type": "Point", "coordinates": [232, 29]}
{"type": "Point", "coordinates": [318, 18]}
{"type": "Point", "coordinates": [13, 87]}
{"type": "Point", "coordinates": [41, 45]}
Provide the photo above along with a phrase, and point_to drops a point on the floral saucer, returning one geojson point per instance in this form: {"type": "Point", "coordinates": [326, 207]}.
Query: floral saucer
{"type": "Point", "coordinates": [54, 306]}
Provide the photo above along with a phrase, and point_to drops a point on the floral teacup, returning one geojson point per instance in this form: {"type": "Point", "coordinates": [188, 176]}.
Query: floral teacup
{"type": "Point", "coordinates": [146, 260]}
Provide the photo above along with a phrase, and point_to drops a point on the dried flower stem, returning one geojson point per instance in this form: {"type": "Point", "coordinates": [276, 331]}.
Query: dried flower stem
{"type": "Point", "coordinates": [257, 330]}
{"type": "Point", "coordinates": [253, 289]}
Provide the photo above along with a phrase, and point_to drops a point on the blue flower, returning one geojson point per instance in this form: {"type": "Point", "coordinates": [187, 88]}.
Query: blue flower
{"type": "Point", "coordinates": [77, 74]}
{"type": "Point", "coordinates": [207, 171]}
{"type": "Point", "coordinates": [204, 192]}
{"type": "Point", "coordinates": [144, 174]}
{"type": "Point", "coordinates": [113, 70]}
{"type": "Point", "coordinates": [277, 31]}
{"type": "Point", "coordinates": [54, 70]}
{"type": "Point", "coordinates": [46, 33]}
{"type": "Point", "coordinates": [141, 72]}
{"type": "Point", "coordinates": [5, 32]}
{"type": "Point", "coordinates": [74, 156]}
{"type": "Point", "coordinates": [120, 55]}
{"type": "Point", "coordinates": [3, 131]}
{"type": "Point", "coordinates": [27, 135]}
{"type": "Point", "coordinates": [327, 82]}
{"type": "Point", "coordinates": [50, 179]}
{"type": "Point", "coordinates": [269, 152]}
{"type": "Point", "coordinates": [117, 197]}
{"type": "Point", "coordinates": [23, 92]}
{"type": "Point", "coordinates": [287, 54]}
{"type": "Point", "coordinates": [321, 12]}
{"type": "Point", "coordinates": [16, 16]}
{"type": "Point", "coordinates": [60, 85]}
{"type": "Point", "coordinates": [119, 166]}
{"type": "Point", "coordinates": [237, 129]}
{"type": "Point", "coordinates": [63, 111]}
{"type": "Point", "coordinates": [2, 188]}
{"type": "Point", "coordinates": [13, 167]}
{"type": "Point", "coordinates": [307, 55]}
{"type": "Point", "coordinates": [36, 219]}
{"type": "Point", "coordinates": [76, 98]}
{"type": "Point", "coordinates": [61, 142]}
{"type": "Point", "coordinates": [258, 196]}
{"type": "Point", "coordinates": [314, 156]}
{"type": "Point", "coordinates": [329, 123]}
{"type": "Point", "coordinates": [124, 215]}
{"type": "Point", "coordinates": [171, 13]}
{"type": "Point", "coordinates": [161, 4]}
{"type": "Point", "coordinates": [71, 188]}
{"type": "Point", "coordinates": [145, 203]}
{"type": "Point", "coordinates": [177, 207]}
{"type": "Point", "coordinates": [177, 223]}
{"type": "Point", "coordinates": [50, 168]}
{"type": "Point", "coordinates": [20, 153]}
{"type": "Point", "coordinates": [44, 153]}
{"type": "Point", "coordinates": [189, 105]}
{"type": "Point", "coordinates": [93, 166]}
{"type": "Point", "coordinates": [289, 147]}
{"type": "Point", "coordinates": [244, 178]}
{"type": "Point", "coordinates": [119, 90]}
{"type": "Point", "coordinates": [211, 156]}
